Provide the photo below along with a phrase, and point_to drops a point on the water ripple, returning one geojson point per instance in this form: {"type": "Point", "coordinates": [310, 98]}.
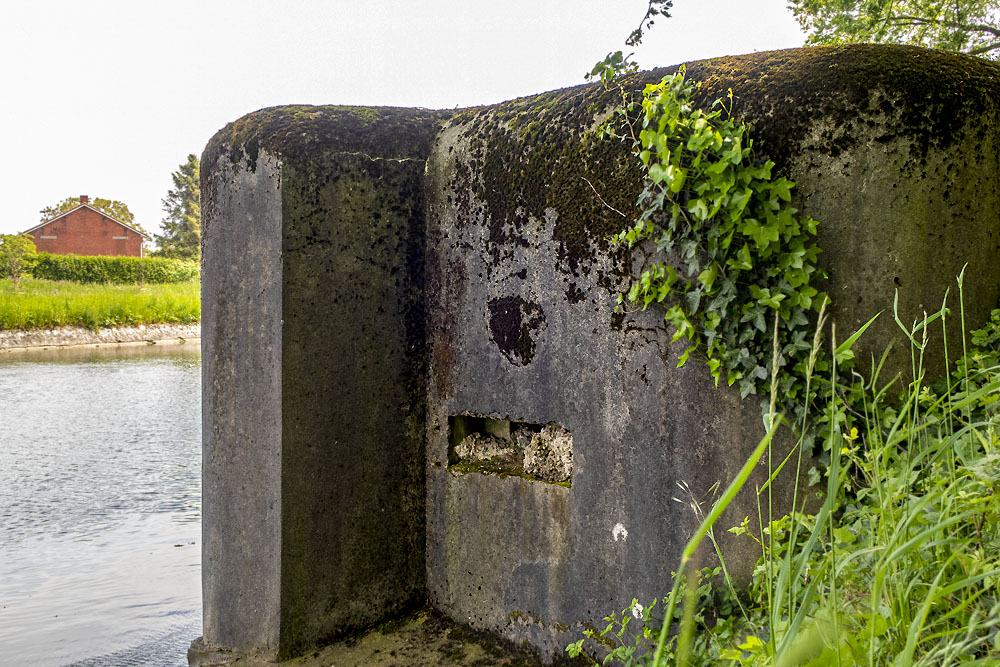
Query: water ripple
{"type": "Point", "coordinates": [100, 478]}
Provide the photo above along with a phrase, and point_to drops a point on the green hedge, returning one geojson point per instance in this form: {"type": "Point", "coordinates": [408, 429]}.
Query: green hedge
{"type": "Point", "coordinates": [119, 270]}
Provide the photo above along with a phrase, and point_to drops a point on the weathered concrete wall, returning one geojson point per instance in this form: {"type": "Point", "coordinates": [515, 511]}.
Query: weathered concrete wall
{"type": "Point", "coordinates": [241, 402]}
{"type": "Point", "coordinates": [314, 369]}
{"type": "Point", "coordinates": [895, 153]}
{"type": "Point", "coordinates": [480, 295]}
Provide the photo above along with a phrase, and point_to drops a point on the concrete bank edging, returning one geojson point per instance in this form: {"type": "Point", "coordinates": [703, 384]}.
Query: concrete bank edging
{"type": "Point", "coordinates": [26, 340]}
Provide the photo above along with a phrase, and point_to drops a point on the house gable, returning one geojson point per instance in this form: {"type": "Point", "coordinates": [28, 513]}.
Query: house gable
{"type": "Point", "coordinates": [97, 211]}
{"type": "Point", "coordinates": [85, 230]}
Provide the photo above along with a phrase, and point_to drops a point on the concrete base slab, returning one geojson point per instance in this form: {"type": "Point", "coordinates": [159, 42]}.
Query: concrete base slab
{"type": "Point", "coordinates": [202, 655]}
{"type": "Point", "coordinates": [423, 639]}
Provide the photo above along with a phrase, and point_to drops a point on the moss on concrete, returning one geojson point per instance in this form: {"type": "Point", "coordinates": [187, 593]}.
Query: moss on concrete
{"type": "Point", "coordinates": [500, 469]}
{"type": "Point", "coordinates": [423, 639]}
{"type": "Point", "coordinates": [783, 92]}
{"type": "Point", "coordinates": [297, 132]}
{"type": "Point", "coordinates": [353, 392]}
{"type": "Point", "coordinates": [535, 153]}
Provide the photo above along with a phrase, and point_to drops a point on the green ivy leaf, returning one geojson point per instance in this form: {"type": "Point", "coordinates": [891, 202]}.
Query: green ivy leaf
{"type": "Point", "coordinates": [782, 188]}
{"type": "Point", "coordinates": [743, 261]}
{"type": "Point", "coordinates": [698, 209]}
{"type": "Point", "coordinates": [707, 277]}
{"type": "Point", "coordinates": [657, 173]}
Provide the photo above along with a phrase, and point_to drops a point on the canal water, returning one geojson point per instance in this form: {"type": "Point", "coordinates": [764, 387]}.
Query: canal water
{"type": "Point", "coordinates": [100, 506]}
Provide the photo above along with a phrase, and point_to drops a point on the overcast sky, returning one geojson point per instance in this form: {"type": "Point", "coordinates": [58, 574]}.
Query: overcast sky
{"type": "Point", "coordinates": [108, 97]}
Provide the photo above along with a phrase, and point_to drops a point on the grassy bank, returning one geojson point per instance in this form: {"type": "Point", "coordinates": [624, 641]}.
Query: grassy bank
{"type": "Point", "coordinates": [900, 565]}
{"type": "Point", "coordinates": [41, 304]}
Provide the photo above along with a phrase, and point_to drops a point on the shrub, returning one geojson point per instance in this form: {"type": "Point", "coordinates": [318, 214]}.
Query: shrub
{"type": "Point", "coordinates": [119, 270]}
{"type": "Point", "coordinates": [17, 255]}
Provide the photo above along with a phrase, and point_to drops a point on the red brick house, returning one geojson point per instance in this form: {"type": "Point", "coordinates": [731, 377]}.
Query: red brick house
{"type": "Point", "coordinates": [84, 230]}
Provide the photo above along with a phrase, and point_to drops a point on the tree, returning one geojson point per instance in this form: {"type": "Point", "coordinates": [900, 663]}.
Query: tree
{"type": "Point", "coordinates": [113, 208]}
{"type": "Point", "coordinates": [654, 9]}
{"type": "Point", "coordinates": [17, 255]}
{"type": "Point", "coordinates": [969, 26]}
{"type": "Point", "coordinates": [617, 63]}
{"type": "Point", "coordinates": [182, 224]}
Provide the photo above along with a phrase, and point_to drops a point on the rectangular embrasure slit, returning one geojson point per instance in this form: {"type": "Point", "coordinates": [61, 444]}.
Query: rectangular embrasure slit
{"type": "Point", "coordinates": [542, 452]}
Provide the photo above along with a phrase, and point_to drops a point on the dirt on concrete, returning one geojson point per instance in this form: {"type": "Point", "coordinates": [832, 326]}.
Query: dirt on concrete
{"type": "Point", "coordinates": [424, 639]}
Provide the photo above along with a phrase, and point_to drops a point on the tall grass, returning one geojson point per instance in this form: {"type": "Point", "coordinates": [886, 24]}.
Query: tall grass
{"type": "Point", "coordinates": [899, 566]}
{"type": "Point", "coordinates": [40, 304]}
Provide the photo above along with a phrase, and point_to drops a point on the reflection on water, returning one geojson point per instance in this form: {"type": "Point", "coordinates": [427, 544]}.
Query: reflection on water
{"type": "Point", "coordinates": [100, 505]}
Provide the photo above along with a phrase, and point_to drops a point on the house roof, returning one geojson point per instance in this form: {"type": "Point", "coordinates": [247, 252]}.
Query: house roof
{"type": "Point", "coordinates": [98, 211]}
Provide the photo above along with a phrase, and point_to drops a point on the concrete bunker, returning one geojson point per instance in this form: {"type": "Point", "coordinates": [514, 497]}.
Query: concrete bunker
{"type": "Point", "coordinates": [367, 270]}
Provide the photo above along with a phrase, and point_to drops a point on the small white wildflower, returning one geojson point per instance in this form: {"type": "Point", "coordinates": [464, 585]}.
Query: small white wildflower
{"type": "Point", "coordinates": [619, 532]}
{"type": "Point", "coordinates": [637, 610]}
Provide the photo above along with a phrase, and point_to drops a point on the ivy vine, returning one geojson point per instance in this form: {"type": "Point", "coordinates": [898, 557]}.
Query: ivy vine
{"type": "Point", "coordinates": [727, 255]}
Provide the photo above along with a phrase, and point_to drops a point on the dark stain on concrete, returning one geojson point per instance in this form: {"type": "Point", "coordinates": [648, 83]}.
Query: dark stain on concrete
{"type": "Point", "coordinates": [514, 327]}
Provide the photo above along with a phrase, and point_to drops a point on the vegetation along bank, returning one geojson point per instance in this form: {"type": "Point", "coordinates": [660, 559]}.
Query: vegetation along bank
{"type": "Point", "coordinates": [48, 300]}
{"type": "Point", "coordinates": [40, 304]}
